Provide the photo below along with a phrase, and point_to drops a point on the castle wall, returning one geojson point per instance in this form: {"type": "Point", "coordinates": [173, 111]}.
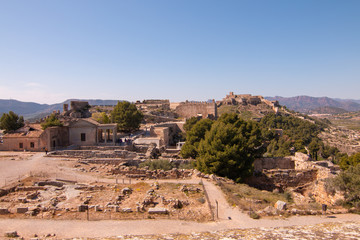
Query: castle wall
{"type": "Point", "coordinates": [190, 109]}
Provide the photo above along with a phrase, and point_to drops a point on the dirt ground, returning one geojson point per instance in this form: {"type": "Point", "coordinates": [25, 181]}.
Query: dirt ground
{"type": "Point", "coordinates": [90, 187]}
{"type": "Point", "coordinates": [61, 219]}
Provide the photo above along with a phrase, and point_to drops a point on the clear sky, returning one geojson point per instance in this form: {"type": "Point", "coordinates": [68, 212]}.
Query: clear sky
{"type": "Point", "coordinates": [178, 49]}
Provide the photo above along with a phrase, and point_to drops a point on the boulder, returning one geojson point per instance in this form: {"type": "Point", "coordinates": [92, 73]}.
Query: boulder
{"type": "Point", "coordinates": [126, 190]}
{"type": "Point", "coordinates": [269, 211]}
{"type": "Point", "coordinates": [280, 205]}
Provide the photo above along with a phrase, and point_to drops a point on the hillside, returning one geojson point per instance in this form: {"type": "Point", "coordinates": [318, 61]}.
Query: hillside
{"type": "Point", "coordinates": [327, 110]}
{"type": "Point", "coordinates": [306, 104]}
{"type": "Point", "coordinates": [33, 110]}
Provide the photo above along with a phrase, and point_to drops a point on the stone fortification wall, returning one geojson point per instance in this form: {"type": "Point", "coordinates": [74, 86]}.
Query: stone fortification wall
{"type": "Point", "coordinates": [193, 109]}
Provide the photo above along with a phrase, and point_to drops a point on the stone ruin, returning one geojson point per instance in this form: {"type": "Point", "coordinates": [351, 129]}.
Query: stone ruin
{"type": "Point", "coordinates": [298, 174]}
{"type": "Point", "coordinates": [78, 109]}
{"type": "Point", "coordinates": [197, 109]}
{"type": "Point", "coordinates": [248, 99]}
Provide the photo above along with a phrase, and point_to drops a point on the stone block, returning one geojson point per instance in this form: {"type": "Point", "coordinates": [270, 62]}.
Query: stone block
{"type": "Point", "coordinates": [4, 211]}
{"type": "Point", "coordinates": [83, 208]}
{"type": "Point", "coordinates": [22, 199]}
{"type": "Point", "coordinates": [127, 210]}
{"type": "Point", "coordinates": [22, 209]}
{"type": "Point", "coordinates": [157, 210]}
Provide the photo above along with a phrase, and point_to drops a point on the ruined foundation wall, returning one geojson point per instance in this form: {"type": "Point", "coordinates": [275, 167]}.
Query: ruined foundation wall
{"type": "Point", "coordinates": [273, 163]}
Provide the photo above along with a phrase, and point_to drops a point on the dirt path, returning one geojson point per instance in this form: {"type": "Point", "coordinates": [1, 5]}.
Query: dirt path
{"type": "Point", "coordinates": [12, 170]}
{"type": "Point", "coordinates": [108, 228]}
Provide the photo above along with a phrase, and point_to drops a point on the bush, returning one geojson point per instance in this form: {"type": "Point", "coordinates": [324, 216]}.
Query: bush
{"type": "Point", "coordinates": [161, 164]}
{"type": "Point", "coordinates": [51, 121]}
{"type": "Point", "coordinates": [348, 181]}
{"type": "Point", "coordinates": [11, 121]}
{"type": "Point", "coordinates": [288, 196]}
{"type": "Point", "coordinates": [254, 215]}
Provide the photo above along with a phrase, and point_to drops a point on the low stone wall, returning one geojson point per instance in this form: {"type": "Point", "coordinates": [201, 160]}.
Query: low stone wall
{"type": "Point", "coordinates": [123, 154]}
{"type": "Point", "coordinates": [133, 172]}
{"type": "Point", "coordinates": [112, 161]}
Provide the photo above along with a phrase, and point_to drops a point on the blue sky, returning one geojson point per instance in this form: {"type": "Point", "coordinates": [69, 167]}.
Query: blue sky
{"type": "Point", "coordinates": [178, 49]}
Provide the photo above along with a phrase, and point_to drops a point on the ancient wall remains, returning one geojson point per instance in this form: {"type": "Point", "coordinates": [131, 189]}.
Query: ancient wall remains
{"type": "Point", "coordinates": [261, 164]}
{"type": "Point", "coordinates": [194, 109]}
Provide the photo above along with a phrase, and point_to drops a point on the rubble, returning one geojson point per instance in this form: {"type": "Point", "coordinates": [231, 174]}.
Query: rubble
{"type": "Point", "coordinates": [11, 234]}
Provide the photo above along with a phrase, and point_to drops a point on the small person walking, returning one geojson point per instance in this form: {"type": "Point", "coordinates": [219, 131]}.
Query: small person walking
{"type": "Point", "coordinates": [46, 151]}
{"type": "Point", "coordinates": [324, 208]}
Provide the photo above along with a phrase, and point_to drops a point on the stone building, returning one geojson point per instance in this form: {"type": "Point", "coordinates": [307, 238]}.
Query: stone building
{"type": "Point", "coordinates": [33, 138]}
{"type": "Point", "coordinates": [88, 132]}
{"type": "Point", "coordinates": [163, 134]}
{"type": "Point", "coordinates": [78, 132]}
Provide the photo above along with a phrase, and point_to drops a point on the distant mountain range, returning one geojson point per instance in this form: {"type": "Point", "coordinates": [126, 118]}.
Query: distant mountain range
{"type": "Point", "coordinates": [303, 104]}
{"type": "Point", "coordinates": [32, 110]}
{"type": "Point", "coordinates": [306, 104]}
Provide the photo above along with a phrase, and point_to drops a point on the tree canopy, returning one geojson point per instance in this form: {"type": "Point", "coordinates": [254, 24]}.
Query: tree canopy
{"type": "Point", "coordinates": [101, 117]}
{"type": "Point", "coordinates": [348, 161]}
{"type": "Point", "coordinates": [226, 147]}
{"type": "Point", "coordinates": [348, 181]}
{"type": "Point", "coordinates": [127, 117]}
{"type": "Point", "coordinates": [195, 132]}
{"type": "Point", "coordinates": [296, 135]}
{"type": "Point", "coordinates": [51, 121]}
{"type": "Point", "coordinates": [230, 147]}
{"type": "Point", "coordinates": [11, 121]}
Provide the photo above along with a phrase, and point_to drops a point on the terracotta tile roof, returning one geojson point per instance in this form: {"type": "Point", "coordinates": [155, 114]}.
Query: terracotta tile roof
{"type": "Point", "coordinates": [30, 130]}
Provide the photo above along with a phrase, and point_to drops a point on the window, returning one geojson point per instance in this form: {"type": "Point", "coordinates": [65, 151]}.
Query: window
{"type": "Point", "coordinates": [21, 145]}
{"type": "Point", "coordinates": [83, 137]}
{"type": "Point", "coordinates": [32, 145]}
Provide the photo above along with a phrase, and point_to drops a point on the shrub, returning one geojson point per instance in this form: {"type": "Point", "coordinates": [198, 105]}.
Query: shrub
{"type": "Point", "coordinates": [254, 215]}
{"type": "Point", "coordinates": [158, 164]}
